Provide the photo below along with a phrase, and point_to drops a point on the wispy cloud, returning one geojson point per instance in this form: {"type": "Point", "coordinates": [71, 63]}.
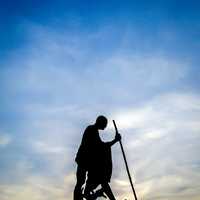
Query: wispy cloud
{"type": "Point", "coordinates": [5, 140]}
{"type": "Point", "coordinates": [37, 187]}
{"type": "Point", "coordinates": [162, 142]}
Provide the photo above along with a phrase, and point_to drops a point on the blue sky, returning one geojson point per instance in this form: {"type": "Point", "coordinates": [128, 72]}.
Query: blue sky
{"type": "Point", "coordinates": [63, 63]}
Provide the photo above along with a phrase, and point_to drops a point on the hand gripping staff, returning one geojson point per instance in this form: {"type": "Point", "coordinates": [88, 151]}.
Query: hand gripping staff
{"type": "Point", "coordinates": [124, 156]}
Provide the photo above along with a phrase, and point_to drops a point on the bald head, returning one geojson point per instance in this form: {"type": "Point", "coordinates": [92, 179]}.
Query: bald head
{"type": "Point", "coordinates": [101, 122]}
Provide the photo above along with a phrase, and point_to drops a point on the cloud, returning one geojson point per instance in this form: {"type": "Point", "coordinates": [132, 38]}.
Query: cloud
{"type": "Point", "coordinates": [5, 140]}
{"type": "Point", "coordinates": [42, 147]}
{"type": "Point", "coordinates": [63, 58]}
{"type": "Point", "coordinates": [161, 139]}
{"type": "Point", "coordinates": [37, 187]}
{"type": "Point", "coordinates": [55, 157]}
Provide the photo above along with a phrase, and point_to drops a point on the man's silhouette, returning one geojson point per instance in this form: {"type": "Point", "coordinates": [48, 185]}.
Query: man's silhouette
{"type": "Point", "coordinates": [94, 159]}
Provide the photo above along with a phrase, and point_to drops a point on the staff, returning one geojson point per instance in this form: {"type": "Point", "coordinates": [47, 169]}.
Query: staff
{"type": "Point", "coordinates": [124, 156]}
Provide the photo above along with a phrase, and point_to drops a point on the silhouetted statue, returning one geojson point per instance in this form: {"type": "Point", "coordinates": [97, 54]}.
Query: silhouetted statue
{"type": "Point", "coordinates": [94, 160]}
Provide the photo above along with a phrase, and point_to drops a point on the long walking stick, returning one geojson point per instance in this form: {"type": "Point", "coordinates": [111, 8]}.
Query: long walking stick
{"type": "Point", "coordinates": [124, 156]}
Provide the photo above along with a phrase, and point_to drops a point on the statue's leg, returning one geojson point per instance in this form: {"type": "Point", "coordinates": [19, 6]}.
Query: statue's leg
{"type": "Point", "coordinates": [99, 193]}
{"type": "Point", "coordinates": [88, 192]}
{"type": "Point", "coordinates": [108, 191]}
{"type": "Point", "coordinates": [80, 176]}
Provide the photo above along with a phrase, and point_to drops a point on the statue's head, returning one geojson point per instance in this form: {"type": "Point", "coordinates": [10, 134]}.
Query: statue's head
{"type": "Point", "coordinates": [101, 122]}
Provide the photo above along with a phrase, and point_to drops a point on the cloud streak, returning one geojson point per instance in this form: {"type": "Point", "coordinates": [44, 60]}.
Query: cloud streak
{"type": "Point", "coordinates": [163, 147]}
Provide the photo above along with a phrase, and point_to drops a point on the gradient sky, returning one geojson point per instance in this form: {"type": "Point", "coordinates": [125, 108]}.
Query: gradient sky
{"type": "Point", "coordinates": [62, 63]}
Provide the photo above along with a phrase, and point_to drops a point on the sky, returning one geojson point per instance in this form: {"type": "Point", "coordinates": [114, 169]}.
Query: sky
{"type": "Point", "coordinates": [63, 63]}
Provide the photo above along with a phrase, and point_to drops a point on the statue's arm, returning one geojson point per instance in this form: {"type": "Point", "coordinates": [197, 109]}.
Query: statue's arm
{"type": "Point", "coordinates": [117, 138]}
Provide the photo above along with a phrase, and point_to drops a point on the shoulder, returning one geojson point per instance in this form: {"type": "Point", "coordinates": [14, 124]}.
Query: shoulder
{"type": "Point", "coordinates": [90, 128]}
{"type": "Point", "coordinates": [90, 132]}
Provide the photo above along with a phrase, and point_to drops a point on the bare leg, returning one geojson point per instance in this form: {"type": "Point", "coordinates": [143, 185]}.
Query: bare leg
{"type": "Point", "coordinates": [89, 188]}
{"type": "Point", "coordinates": [80, 176]}
{"type": "Point", "coordinates": [108, 191]}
